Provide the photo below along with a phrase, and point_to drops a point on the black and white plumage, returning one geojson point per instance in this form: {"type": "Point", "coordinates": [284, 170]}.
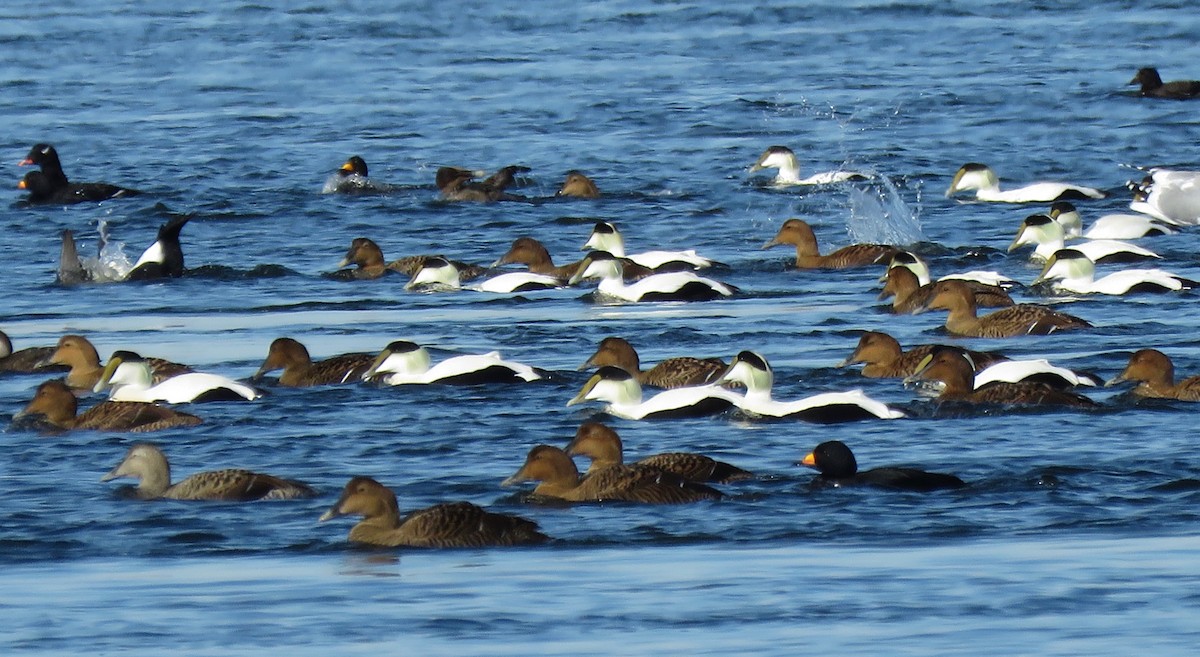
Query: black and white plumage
{"type": "Point", "coordinates": [672, 286]}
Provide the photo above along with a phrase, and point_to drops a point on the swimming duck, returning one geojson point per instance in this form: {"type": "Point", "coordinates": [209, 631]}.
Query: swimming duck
{"type": "Point", "coordinates": [533, 254]}
{"type": "Point", "coordinates": [78, 353]}
{"type": "Point", "coordinates": [146, 463]}
{"type": "Point", "coordinates": [603, 446]}
{"type": "Point", "coordinates": [579, 186]}
{"type": "Point", "coordinates": [884, 358]}
{"type": "Point", "coordinates": [783, 159]}
{"type": "Point", "coordinates": [369, 263]}
{"type": "Point", "coordinates": [28, 360]}
{"type": "Point", "coordinates": [947, 374]}
{"type": "Point", "coordinates": [670, 373]}
{"type": "Point", "coordinates": [1170, 196]}
{"type": "Point", "coordinates": [672, 286]}
{"type": "Point", "coordinates": [130, 378]}
{"type": "Point", "coordinates": [624, 396]}
{"type": "Point", "coordinates": [1154, 87]}
{"type": "Point", "coordinates": [1021, 319]}
{"type": "Point", "coordinates": [1030, 370]}
{"type": "Point", "coordinates": [753, 371]}
{"type": "Point", "coordinates": [1155, 374]}
{"type": "Point", "coordinates": [460, 185]}
{"type": "Point", "coordinates": [440, 274]}
{"type": "Point", "coordinates": [838, 468]}
{"type": "Point", "coordinates": [403, 362]}
{"type": "Point", "coordinates": [916, 265]}
{"type": "Point", "coordinates": [1069, 270]}
{"type": "Point", "coordinates": [909, 296]}
{"type": "Point", "coordinates": [1049, 237]}
{"type": "Point", "coordinates": [983, 180]}
{"type": "Point", "coordinates": [299, 371]}
{"type": "Point", "coordinates": [1108, 227]}
{"type": "Point", "coordinates": [560, 479]}
{"type": "Point", "coordinates": [55, 404]}
{"type": "Point", "coordinates": [52, 185]}
{"type": "Point", "coordinates": [606, 237]}
{"type": "Point", "coordinates": [352, 178]}
{"type": "Point", "coordinates": [448, 525]}
{"type": "Point", "coordinates": [164, 258]}
{"type": "Point", "coordinates": [808, 256]}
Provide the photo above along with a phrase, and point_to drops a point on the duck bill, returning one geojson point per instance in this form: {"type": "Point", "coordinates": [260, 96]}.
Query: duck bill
{"type": "Point", "coordinates": [22, 185]}
{"type": "Point", "coordinates": [583, 392]}
{"type": "Point", "coordinates": [106, 376]}
{"type": "Point", "coordinates": [774, 241]}
{"type": "Point", "coordinates": [333, 512]}
{"type": "Point", "coordinates": [347, 167]}
{"type": "Point", "coordinates": [376, 364]}
{"type": "Point", "coordinates": [115, 473]}
{"type": "Point", "coordinates": [809, 460]}
{"type": "Point", "coordinates": [917, 376]}
{"type": "Point", "coordinates": [1017, 241]}
{"type": "Point", "coordinates": [954, 184]}
{"type": "Point", "coordinates": [1116, 380]}
{"type": "Point", "coordinates": [343, 263]}
{"type": "Point", "coordinates": [579, 273]}
{"type": "Point", "coordinates": [516, 478]}
{"type": "Point", "coordinates": [262, 371]}
{"type": "Point", "coordinates": [28, 162]}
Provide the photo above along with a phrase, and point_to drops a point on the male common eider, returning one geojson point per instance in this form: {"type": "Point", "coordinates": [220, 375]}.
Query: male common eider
{"type": "Point", "coordinates": [130, 379]}
{"type": "Point", "coordinates": [983, 180]}
{"type": "Point", "coordinates": [783, 159]}
{"type": "Point", "coordinates": [403, 362]}
{"type": "Point", "coordinates": [672, 286]}
{"type": "Point", "coordinates": [624, 397]}
{"type": "Point", "coordinates": [1048, 236]}
{"type": "Point", "coordinates": [78, 353]}
{"type": "Point", "coordinates": [947, 375]}
{"type": "Point", "coordinates": [1069, 270]}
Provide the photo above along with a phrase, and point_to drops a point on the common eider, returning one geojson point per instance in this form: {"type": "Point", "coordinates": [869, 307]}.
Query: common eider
{"type": "Point", "coordinates": [979, 177]}
{"type": "Point", "coordinates": [674, 372]}
{"type": "Point", "coordinates": [808, 256]}
{"type": "Point", "coordinates": [146, 463]}
{"type": "Point", "coordinates": [559, 478]}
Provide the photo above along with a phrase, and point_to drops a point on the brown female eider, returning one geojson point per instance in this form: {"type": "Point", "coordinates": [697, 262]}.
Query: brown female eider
{"type": "Point", "coordinates": [146, 463]}
{"type": "Point", "coordinates": [950, 369]}
{"type": "Point", "coordinates": [56, 405]}
{"type": "Point", "coordinates": [449, 525]}
{"type": "Point", "coordinates": [1155, 374]}
{"type": "Point", "coordinates": [560, 479]}
{"type": "Point", "coordinates": [1021, 319]}
{"type": "Point", "coordinates": [299, 371]}
{"type": "Point", "coordinates": [674, 372]}
{"type": "Point", "coordinates": [909, 296]}
{"type": "Point", "coordinates": [78, 353]}
{"type": "Point", "coordinates": [884, 359]}
{"type": "Point", "coordinates": [603, 446]}
{"type": "Point", "coordinates": [799, 233]}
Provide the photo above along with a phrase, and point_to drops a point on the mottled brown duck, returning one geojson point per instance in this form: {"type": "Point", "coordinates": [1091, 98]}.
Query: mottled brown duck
{"type": "Point", "coordinates": [883, 357]}
{"type": "Point", "coordinates": [449, 525]}
{"type": "Point", "coordinates": [146, 463]}
{"type": "Point", "coordinates": [78, 353]}
{"type": "Point", "coordinates": [950, 371]}
{"type": "Point", "coordinates": [603, 446]}
{"type": "Point", "coordinates": [560, 479]}
{"type": "Point", "coordinates": [909, 296]}
{"type": "Point", "coordinates": [579, 186]}
{"type": "Point", "coordinates": [1155, 374]}
{"type": "Point", "coordinates": [808, 255]}
{"type": "Point", "coordinates": [299, 370]}
{"type": "Point", "coordinates": [55, 405]}
{"type": "Point", "coordinates": [674, 372]}
{"type": "Point", "coordinates": [1021, 319]}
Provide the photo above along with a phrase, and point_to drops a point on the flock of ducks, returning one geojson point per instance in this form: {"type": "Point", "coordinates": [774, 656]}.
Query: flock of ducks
{"type": "Point", "coordinates": [137, 386]}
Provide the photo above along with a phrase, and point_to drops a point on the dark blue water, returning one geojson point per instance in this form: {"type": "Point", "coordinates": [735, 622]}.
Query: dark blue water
{"type": "Point", "coordinates": [1077, 535]}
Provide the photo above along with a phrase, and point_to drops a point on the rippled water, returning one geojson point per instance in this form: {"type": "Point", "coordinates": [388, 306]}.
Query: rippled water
{"type": "Point", "coordinates": [1077, 534]}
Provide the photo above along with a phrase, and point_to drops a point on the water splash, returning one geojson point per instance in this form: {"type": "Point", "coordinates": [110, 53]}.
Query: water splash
{"type": "Point", "coordinates": [878, 214]}
{"type": "Point", "coordinates": [110, 264]}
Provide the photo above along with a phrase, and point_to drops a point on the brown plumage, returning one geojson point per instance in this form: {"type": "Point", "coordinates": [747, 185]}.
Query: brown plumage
{"type": "Point", "coordinates": [28, 360]}
{"type": "Point", "coordinates": [56, 405]}
{"type": "Point", "coordinates": [454, 524]}
{"type": "Point", "coordinates": [369, 263]}
{"type": "Point", "coordinates": [1021, 319]}
{"type": "Point", "coordinates": [909, 296]}
{"type": "Point", "coordinates": [146, 463]}
{"type": "Point", "coordinates": [603, 446]}
{"type": "Point", "coordinates": [1153, 86]}
{"type": "Point", "coordinates": [459, 185]}
{"type": "Point", "coordinates": [808, 256]}
{"type": "Point", "coordinates": [951, 368]}
{"type": "Point", "coordinates": [579, 185]}
{"type": "Point", "coordinates": [884, 359]}
{"type": "Point", "coordinates": [78, 353]}
{"type": "Point", "coordinates": [299, 371]}
{"type": "Point", "coordinates": [1155, 374]}
{"type": "Point", "coordinates": [560, 479]}
{"type": "Point", "coordinates": [533, 254]}
{"type": "Point", "coordinates": [671, 373]}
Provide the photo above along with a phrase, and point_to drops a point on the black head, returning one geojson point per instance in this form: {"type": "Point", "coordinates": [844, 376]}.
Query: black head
{"type": "Point", "coordinates": [832, 459]}
{"type": "Point", "coordinates": [355, 166]}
